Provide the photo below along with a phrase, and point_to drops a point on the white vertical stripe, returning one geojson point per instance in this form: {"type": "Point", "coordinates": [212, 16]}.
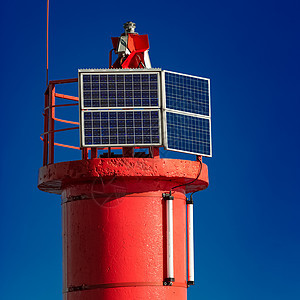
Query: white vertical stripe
{"type": "Point", "coordinates": [170, 253]}
{"type": "Point", "coordinates": [190, 239]}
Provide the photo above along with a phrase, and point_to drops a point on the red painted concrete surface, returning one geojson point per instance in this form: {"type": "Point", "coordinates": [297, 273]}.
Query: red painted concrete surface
{"type": "Point", "coordinates": [114, 225]}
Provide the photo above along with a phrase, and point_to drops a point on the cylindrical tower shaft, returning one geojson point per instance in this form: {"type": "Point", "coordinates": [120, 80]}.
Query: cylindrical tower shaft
{"type": "Point", "coordinates": [115, 226]}
{"type": "Point", "coordinates": [115, 243]}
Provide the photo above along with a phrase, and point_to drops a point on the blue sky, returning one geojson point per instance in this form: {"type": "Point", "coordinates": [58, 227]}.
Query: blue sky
{"type": "Point", "coordinates": [247, 222]}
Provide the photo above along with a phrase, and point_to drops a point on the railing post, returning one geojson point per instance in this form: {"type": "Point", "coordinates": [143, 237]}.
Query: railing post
{"type": "Point", "coordinates": [51, 122]}
{"type": "Point", "coordinates": [128, 151]}
{"type": "Point", "coordinates": [46, 126]}
{"type": "Point", "coordinates": [154, 152]}
{"type": "Point", "coordinates": [84, 153]}
{"type": "Point", "coordinates": [110, 57]}
{"type": "Point", "coordinates": [94, 152]}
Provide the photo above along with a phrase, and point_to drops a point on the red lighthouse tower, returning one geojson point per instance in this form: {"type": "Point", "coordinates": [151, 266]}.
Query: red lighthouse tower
{"type": "Point", "coordinates": [125, 215]}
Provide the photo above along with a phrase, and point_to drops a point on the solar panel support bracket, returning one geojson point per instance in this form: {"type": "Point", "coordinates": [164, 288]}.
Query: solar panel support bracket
{"type": "Point", "coordinates": [167, 196]}
{"type": "Point", "coordinates": [168, 281]}
{"type": "Point", "coordinates": [189, 201]}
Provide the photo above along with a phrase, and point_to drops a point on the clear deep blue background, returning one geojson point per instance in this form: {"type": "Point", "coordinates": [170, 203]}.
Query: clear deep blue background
{"type": "Point", "coordinates": [247, 222]}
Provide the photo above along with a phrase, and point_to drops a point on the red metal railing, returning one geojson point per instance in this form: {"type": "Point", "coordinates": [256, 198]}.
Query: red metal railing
{"type": "Point", "coordinates": [49, 120]}
{"type": "Point", "coordinates": [48, 136]}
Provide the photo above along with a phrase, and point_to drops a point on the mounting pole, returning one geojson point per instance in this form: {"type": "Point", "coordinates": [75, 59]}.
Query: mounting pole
{"type": "Point", "coordinates": [190, 241]}
{"type": "Point", "coordinates": [47, 46]}
{"type": "Point", "coordinates": [170, 239]}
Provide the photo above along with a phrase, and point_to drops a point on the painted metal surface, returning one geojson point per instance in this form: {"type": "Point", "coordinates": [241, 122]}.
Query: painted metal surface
{"type": "Point", "coordinates": [136, 46]}
{"type": "Point", "coordinates": [115, 225]}
{"type": "Point", "coordinates": [48, 136]}
{"type": "Point", "coordinates": [53, 178]}
{"type": "Point", "coordinates": [113, 242]}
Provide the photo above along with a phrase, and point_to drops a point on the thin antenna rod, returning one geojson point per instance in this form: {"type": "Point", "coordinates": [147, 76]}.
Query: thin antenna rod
{"type": "Point", "coordinates": [47, 64]}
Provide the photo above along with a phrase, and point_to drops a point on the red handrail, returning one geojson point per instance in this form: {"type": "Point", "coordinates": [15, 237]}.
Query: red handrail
{"type": "Point", "coordinates": [48, 136]}
{"type": "Point", "coordinates": [67, 97]}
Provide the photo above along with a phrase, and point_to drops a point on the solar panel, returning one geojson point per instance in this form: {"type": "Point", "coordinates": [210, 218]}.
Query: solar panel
{"type": "Point", "coordinates": [187, 124]}
{"type": "Point", "coordinates": [123, 107]}
{"type": "Point", "coordinates": [111, 128]}
{"type": "Point", "coordinates": [188, 133]}
{"type": "Point", "coordinates": [117, 89]}
{"type": "Point", "coordinates": [187, 93]}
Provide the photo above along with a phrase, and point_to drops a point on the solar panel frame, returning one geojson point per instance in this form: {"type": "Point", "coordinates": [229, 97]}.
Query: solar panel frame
{"type": "Point", "coordinates": [178, 149]}
{"type": "Point", "coordinates": [165, 96]}
{"type": "Point", "coordinates": [143, 127]}
{"type": "Point", "coordinates": [167, 109]}
{"type": "Point", "coordinates": [95, 81]}
{"type": "Point", "coordinates": [111, 97]}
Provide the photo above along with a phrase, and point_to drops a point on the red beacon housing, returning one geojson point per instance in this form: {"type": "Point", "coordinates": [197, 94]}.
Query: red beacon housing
{"type": "Point", "coordinates": [132, 49]}
{"type": "Point", "coordinates": [125, 218]}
